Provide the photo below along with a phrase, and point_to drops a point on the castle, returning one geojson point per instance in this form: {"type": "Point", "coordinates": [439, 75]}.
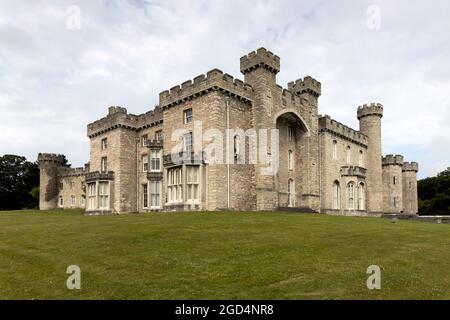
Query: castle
{"type": "Point", "coordinates": [153, 162]}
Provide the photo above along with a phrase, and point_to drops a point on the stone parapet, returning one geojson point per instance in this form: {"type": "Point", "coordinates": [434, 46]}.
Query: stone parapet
{"type": "Point", "coordinates": [326, 124]}
{"type": "Point", "coordinates": [306, 85]}
{"type": "Point", "coordinates": [261, 58]}
{"type": "Point", "coordinates": [410, 166]}
{"type": "Point", "coordinates": [370, 110]}
{"type": "Point", "coordinates": [215, 80]}
{"type": "Point", "coordinates": [71, 172]}
{"type": "Point", "coordinates": [58, 159]}
{"type": "Point", "coordinates": [353, 171]}
{"type": "Point", "coordinates": [97, 175]}
{"type": "Point", "coordinates": [392, 160]}
{"type": "Point", "coordinates": [118, 117]}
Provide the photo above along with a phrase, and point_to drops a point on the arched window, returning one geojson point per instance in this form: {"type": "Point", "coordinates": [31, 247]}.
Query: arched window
{"type": "Point", "coordinates": [361, 158]}
{"type": "Point", "coordinates": [362, 197]}
{"type": "Point", "coordinates": [336, 195]}
{"type": "Point", "coordinates": [290, 160]}
{"type": "Point", "coordinates": [349, 155]}
{"type": "Point", "coordinates": [291, 193]}
{"type": "Point", "coordinates": [334, 149]}
{"type": "Point", "coordinates": [351, 196]}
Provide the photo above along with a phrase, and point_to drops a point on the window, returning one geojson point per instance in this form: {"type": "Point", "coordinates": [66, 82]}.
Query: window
{"type": "Point", "coordinates": [351, 196]}
{"type": "Point", "coordinates": [291, 193]}
{"type": "Point", "coordinates": [155, 160]}
{"type": "Point", "coordinates": [144, 140]}
{"type": "Point", "coordinates": [336, 195]}
{"type": "Point", "coordinates": [72, 201]}
{"type": "Point", "coordinates": [394, 180]}
{"type": "Point", "coordinates": [410, 185]}
{"type": "Point", "coordinates": [155, 194]}
{"type": "Point", "coordinates": [159, 135]}
{"type": "Point", "coordinates": [290, 160]}
{"type": "Point", "coordinates": [394, 202]}
{"type": "Point", "coordinates": [192, 182]}
{"type": "Point", "coordinates": [72, 185]}
{"type": "Point", "coordinates": [361, 158]}
{"type": "Point", "coordinates": [362, 197]}
{"type": "Point", "coordinates": [61, 201]}
{"type": "Point", "coordinates": [290, 134]}
{"type": "Point", "coordinates": [145, 196]}
{"type": "Point", "coordinates": [187, 116]}
{"type": "Point", "coordinates": [334, 150]}
{"type": "Point", "coordinates": [104, 143]}
{"type": "Point", "coordinates": [187, 142]}
{"type": "Point", "coordinates": [174, 185]}
{"type": "Point", "coordinates": [103, 193]}
{"type": "Point", "coordinates": [237, 146]}
{"type": "Point", "coordinates": [349, 155]}
{"type": "Point", "coordinates": [144, 163]}
{"type": "Point", "coordinates": [83, 201]}
{"type": "Point", "coordinates": [104, 164]}
{"type": "Point", "coordinates": [91, 195]}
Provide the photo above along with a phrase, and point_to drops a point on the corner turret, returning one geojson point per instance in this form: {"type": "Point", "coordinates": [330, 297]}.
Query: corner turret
{"type": "Point", "coordinates": [49, 166]}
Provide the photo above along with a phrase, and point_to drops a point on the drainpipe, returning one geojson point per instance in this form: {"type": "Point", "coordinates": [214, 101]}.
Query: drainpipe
{"type": "Point", "coordinates": [228, 154]}
{"type": "Point", "coordinates": [320, 173]}
{"type": "Point", "coordinates": [138, 194]}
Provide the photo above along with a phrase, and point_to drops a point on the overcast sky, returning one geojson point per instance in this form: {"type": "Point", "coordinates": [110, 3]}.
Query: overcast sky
{"type": "Point", "coordinates": [56, 75]}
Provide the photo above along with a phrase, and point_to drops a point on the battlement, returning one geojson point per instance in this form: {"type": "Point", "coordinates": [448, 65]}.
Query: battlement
{"type": "Point", "coordinates": [392, 160]}
{"type": "Point", "coordinates": [71, 172]}
{"type": "Point", "coordinates": [260, 58]}
{"type": "Point", "coordinates": [326, 124]}
{"type": "Point", "coordinates": [58, 159]}
{"type": "Point", "coordinates": [306, 85]}
{"type": "Point", "coordinates": [410, 166]}
{"type": "Point", "coordinates": [215, 80]}
{"type": "Point", "coordinates": [373, 109]}
{"type": "Point", "coordinates": [118, 117]}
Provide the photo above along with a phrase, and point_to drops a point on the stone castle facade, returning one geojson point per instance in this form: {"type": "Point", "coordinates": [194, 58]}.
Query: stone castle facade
{"type": "Point", "coordinates": [136, 164]}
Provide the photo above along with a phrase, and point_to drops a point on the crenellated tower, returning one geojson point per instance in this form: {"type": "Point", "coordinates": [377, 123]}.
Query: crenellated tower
{"type": "Point", "coordinates": [260, 69]}
{"type": "Point", "coordinates": [49, 166]}
{"type": "Point", "coordinates": [409, 181]}
{"type": "Point", "coordinates": [309, 91]}
{"type": "Point", "coordinates": [369, 117]}
{"type": "Point", "coordinates": [392, 184]}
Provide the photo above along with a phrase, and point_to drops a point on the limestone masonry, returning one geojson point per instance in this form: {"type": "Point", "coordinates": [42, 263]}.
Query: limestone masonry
{"type": "Point", "coordinates": [152, 162]}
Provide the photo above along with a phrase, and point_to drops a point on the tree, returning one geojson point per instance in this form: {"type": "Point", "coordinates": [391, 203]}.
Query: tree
{"type": "Point", "coordinates": [18, 177]}
{"type": "Point", "coordinates": [434, 194]}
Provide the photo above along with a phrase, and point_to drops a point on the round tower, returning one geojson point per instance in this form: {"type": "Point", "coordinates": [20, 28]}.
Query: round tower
{"type": "Point", "coordinates": [48, 184]}
{"type": "Point", "coordinates": [369, 117]}
{"type": "Point", "coordinates": [410, 198]}
{"type": "Point", "coordinates": [392, 184]}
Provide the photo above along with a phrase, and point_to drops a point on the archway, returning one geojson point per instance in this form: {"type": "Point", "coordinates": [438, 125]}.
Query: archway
{"type": "Point", "coordinates": [293, 144]}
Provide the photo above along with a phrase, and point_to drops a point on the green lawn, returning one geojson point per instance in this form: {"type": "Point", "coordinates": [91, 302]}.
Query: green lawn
{"type": "Point", "coordinates": [220, 256]}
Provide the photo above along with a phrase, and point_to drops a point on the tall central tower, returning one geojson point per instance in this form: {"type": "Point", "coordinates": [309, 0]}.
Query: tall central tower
{"type": "Point", "coordinates": [369, 117]}
{"type": "Point", "coordinates": [260, 69]}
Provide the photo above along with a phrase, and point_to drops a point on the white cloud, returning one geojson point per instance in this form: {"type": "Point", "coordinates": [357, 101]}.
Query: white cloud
{"type": "Point", "coordinates": [53, 81]}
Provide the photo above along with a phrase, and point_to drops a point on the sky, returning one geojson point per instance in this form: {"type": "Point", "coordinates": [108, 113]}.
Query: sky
{"type": "Point", "coordinates": [63, 63]}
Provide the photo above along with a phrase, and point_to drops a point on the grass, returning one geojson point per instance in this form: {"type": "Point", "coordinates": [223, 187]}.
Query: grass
{"type": "Point", "coordinates": [220, 256]}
